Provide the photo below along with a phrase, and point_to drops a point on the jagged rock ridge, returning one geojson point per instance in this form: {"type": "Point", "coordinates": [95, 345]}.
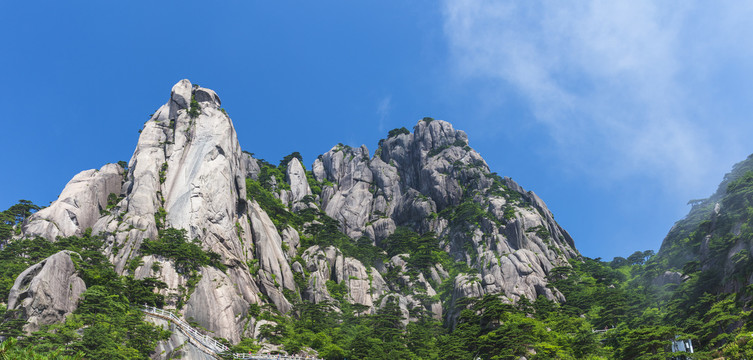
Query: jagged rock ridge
{"type": "Point", "coordinates": [188, 172]}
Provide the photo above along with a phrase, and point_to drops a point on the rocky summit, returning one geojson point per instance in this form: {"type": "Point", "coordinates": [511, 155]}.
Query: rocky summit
{"type": "Point", "coordinates": [422, 223]}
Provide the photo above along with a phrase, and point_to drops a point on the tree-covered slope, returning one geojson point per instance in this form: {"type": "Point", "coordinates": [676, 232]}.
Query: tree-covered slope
{"type": "Point", "coordinates": [717, 235]}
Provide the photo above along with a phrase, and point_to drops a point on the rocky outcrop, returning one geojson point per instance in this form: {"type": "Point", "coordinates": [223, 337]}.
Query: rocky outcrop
{"type": "Point", "coordinates": [47, 292]}
{"type": "Point", "coordinates": [364, 285]}
{"type": "Point", "coordinates": [188, 172]}
{"type": "Point", "coordinates": [465, 286]}
{"type": "Point", "coordinates": [322, 266]}
{"type": "Point", "coordinates": [79, 205]}
{"type": "Point", "coordinates": [350, 200]}
{"type": "Point", "coordinates": [251, 165]}
{"type": "Point", "coordinates": [296, 177]}
{"type": "Point", "coordinates": [432, 180]}
{"type": "Point", "coordinates": [218, 304]}
{"type": "Point", "coordinates": [275, 273]}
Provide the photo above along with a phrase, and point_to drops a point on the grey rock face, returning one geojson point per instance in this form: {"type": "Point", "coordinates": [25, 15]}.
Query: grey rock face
{"type": "Point", "coordinates": [296, 177]}
{"type": "Point", "coordinates": [180, 98]}
{"type": "Point", "coordinates": [78, 206]}
{"type": "Point", "coordinates": [188, 172]}
{"type": "Point", "coordinates": [466, 286]}
{"type": "Point", "coordinates": [322, 264]}
{"type": "Point", "coordinates": [364, 285]}
{"type": "Point", "coordinates": [207, 95]}
{"type": "Point", "coordinates": [276, 274]}
{"type": "Point", "coordinates": [412, 177]}
{"type": "Point", "coordinates": [350, 203]}
{"type": "Point", "coordinates": [356, 278]}
{"type": "Point", "coordinates": [47, 292]}
{"type": "Point", "coordinates": [292, 240]}
{"type": "Point", "coordinates": [251, 165]}
{"type": "Point", "coordinates": [218, 304]}
{"type": "Point", "coordinates": [412, 292]}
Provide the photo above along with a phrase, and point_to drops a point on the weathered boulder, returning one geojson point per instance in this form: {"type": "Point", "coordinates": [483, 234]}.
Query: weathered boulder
{"type": "Point", "coordinates": [47, 292]}
{"type": "Point", "coordinates": [206, 95]}
{"type": "Point", "coordinates": [79, 205]}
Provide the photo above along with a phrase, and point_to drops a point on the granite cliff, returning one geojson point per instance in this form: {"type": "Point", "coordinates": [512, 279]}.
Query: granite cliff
{"type": "Point", "coordinates": [270, 225]}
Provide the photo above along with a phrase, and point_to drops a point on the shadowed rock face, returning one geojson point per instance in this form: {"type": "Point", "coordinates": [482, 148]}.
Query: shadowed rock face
{"type": "Point", "coordinates": [188, 172]}
{"type": "Point", "coordinates": [47, 292]}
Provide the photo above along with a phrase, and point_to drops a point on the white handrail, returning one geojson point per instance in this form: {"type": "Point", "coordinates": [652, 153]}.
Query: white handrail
{"type": "Point", "coordinates": [208, 344]}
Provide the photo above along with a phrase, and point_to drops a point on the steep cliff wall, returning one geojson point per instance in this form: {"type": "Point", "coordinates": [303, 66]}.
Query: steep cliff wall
{"type": "Point", "coordinates": [302, 235]}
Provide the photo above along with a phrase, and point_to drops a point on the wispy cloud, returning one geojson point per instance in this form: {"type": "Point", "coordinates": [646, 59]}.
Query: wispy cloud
{"type": "Point", "coordinates": [624, 88]}
{"type": "Point", "coordinates": [383, 111]}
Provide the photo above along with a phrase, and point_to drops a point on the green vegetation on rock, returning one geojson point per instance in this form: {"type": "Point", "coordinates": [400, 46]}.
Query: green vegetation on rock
{"type": "Point", "coordinates": [105, 325]}
{"type": "Point", "coordinates": [187, 256]}
{"type": "Point", "coordinates": [398, 131]}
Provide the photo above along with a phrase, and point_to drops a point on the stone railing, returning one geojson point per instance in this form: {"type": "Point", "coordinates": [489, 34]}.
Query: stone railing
{"type": "Point", "coordinates": [208, 344]}
{"type": "Point", "coordinates": [204, 342]}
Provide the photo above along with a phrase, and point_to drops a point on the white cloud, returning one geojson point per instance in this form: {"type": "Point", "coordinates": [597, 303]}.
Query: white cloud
{"type": "Point", "coordinates": [624, 88]}
{"type": "Point", "coordinates": [383, 111]}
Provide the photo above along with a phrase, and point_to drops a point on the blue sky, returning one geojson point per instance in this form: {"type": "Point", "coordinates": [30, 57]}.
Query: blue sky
{"type": "Point", "coordinates": [615, 113]}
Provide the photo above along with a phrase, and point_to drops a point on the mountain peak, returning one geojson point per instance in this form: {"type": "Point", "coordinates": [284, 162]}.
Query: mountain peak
{"type": "Point", "coordinates": [281, 234]}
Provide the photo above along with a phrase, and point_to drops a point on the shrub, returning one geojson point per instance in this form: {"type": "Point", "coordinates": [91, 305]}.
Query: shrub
{"type": "Point", "coordinates": [188, 256]}
{"type": "Point", "coordinates": [112, 200]}
{"type": "Point", "coordinates": [396, 132]}
{"type": "Point", "coordinates": [272, 177]}
{"type": "Point", "coordinates": [509, 212]}
{"type": "Point", "coordinates": [277, 212]}
{"type": "Point", "coordinates": [458, 143]}
{"type": "Point", "coordinates": [163, 173]}
{"type": "Point", "coordinates": [159, 217]}
{"type": "Point", "coordinates": [285, 160]}
{"type": "Point", "coordinates": [195, 109]}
